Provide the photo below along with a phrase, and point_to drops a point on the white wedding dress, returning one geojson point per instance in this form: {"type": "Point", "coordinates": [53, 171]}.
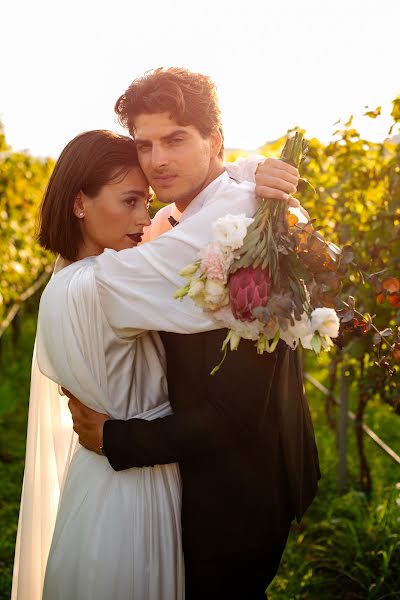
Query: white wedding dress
{"type": "Point", "coordinates": [117, 534]}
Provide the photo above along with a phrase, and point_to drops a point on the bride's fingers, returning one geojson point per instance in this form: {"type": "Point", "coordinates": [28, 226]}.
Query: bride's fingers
{"type": "Point", "coordinates": [74, 408]}
{"type": "Point", "coordinates": [276, 164]}
{"type": "Point", "coordinates": [276, 183]}
{"type": "Point", "coordinates": [271, 192]}
{"type": "Point", "coordinates": [65, 392]}
{"type": "Point", "coordinates": [282, 166]}
{"type": "Point", "coordinates": [278, 174]}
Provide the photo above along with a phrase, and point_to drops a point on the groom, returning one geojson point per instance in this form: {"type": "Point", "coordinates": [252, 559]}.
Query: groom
{"type": "Point", "coordinates": [243, 438]}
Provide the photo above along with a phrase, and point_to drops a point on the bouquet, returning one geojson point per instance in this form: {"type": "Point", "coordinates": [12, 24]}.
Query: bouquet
{"type": "Point", "coordinates": [269, 278]}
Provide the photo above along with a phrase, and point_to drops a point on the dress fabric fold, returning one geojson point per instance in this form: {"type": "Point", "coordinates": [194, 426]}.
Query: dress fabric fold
{"type": "Point", "coordinates": [113, 535]}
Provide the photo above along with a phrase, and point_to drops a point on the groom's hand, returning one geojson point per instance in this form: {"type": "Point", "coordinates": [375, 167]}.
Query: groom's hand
{"type": "Point", "coordinates": [88, 424]}
{"type": "Point", "coordinates": [276, 179]}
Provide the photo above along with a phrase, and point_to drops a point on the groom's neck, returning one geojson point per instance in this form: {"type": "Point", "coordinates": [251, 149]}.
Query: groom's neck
{"type": "Point", "coordinates": [215, 171]}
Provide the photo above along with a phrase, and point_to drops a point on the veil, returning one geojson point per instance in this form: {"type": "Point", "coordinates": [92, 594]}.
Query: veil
{"type": "Point", "coordinates": [49, 448]}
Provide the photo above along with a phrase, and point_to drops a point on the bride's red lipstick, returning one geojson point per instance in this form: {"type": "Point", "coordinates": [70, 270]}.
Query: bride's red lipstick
{"type": "Point", "coordinates": [135, 237]}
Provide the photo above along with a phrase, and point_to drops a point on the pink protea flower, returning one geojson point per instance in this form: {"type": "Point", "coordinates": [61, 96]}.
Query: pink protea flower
{"type": "Point", "coordinates": [249, 288]}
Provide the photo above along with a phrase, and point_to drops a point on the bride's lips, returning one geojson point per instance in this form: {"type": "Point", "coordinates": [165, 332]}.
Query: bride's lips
{"type": "Point", "coordinates": [135, 237]}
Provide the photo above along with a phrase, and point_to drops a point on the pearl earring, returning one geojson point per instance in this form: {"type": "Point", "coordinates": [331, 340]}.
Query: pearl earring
{"type": "Point", "coordinates": [81, 214]}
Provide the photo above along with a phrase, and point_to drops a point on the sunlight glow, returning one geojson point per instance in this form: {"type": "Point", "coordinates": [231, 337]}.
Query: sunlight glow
{"type": "Point", "coordinates": [276, 64]}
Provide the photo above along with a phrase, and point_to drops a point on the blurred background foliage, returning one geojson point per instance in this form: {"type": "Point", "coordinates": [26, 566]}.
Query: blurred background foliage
{"type": "Point", "coordinates": [22, 182]}
{"type": "Point", "coordinates": [348, 544]}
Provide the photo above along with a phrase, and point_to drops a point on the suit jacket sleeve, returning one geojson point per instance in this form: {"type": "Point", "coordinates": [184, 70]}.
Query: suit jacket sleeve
{"type": "Point", "coordinates": [140, 443]}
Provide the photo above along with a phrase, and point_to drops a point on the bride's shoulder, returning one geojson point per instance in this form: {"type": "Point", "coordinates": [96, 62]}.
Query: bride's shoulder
{"type": "Point", "coordinates": [67, 283]}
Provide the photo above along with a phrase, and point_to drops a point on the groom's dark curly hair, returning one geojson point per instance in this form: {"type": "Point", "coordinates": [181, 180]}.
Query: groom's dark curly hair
{"type": "Point", "coordinates": [189, 98]}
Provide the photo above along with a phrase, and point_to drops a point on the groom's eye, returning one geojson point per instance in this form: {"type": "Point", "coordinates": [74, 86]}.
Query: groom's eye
{"type": "Point", "coordinates": [175, 140]}
{"type": "Point", "coordinates": [143, 147]}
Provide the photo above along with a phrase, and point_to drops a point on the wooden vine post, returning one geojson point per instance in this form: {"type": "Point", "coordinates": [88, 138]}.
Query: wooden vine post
{"type": "Point", "coordinates": [342, 431]}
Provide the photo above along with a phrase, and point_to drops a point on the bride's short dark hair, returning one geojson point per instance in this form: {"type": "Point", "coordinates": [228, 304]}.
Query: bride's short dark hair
{"type": "Point", "coordinates": [91, 160]}
{"type": "Point", "coordinates": [189, 98]}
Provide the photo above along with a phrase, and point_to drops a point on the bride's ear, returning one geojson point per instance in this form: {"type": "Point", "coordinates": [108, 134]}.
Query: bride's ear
{"type": "Point", "coordinates": [79, 207]}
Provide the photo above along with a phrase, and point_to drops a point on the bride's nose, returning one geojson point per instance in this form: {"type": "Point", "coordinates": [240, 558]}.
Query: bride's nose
{"type": "Point", "coordinates": [143, 217]}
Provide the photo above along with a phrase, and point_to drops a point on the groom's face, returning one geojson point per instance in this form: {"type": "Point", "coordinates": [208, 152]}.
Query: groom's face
{"type": "Point", "coordinates": [176, 159]}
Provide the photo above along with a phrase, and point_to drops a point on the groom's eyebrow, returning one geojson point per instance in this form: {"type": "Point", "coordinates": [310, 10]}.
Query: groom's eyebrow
{"type": "Point", "coordinates": [171, 135]}
{"type": "Point", "coordinates": [164, 138]}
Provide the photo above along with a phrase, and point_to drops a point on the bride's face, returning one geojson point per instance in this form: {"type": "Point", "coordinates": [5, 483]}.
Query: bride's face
{"type": "Point", "coordinates": [116, 216]}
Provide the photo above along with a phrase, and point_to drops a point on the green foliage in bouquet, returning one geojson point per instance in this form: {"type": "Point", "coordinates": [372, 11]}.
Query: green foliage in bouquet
{"type": "Point", "coordinates": [285, 268]}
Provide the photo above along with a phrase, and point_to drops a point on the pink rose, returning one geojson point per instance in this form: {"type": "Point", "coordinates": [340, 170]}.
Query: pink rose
{"type": "Point", "coordinates": [215, 262]}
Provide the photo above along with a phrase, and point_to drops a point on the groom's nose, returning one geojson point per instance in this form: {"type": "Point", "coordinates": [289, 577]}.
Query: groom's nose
{"type": "Point", "coordinates": [159, 156]}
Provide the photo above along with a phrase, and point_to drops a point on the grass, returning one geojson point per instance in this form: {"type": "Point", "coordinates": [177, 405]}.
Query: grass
{"type": "Point", "coordinates": [346, 547]}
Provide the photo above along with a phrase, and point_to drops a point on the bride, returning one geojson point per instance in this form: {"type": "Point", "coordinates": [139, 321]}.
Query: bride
{"type": "Point", "coordinates": [117, 535]}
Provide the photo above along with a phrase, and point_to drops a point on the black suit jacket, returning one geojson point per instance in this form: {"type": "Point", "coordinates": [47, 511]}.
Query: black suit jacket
{"type": "Point", "coordinates": [243, 439]}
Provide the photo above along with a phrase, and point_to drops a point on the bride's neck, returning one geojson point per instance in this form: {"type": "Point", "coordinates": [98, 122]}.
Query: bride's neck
{"type": "Point", "coordinates": [86, 250]}
{"type": "Point", "coordinates": [83, 252]}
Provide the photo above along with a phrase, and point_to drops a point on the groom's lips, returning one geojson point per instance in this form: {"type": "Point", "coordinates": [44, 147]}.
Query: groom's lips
{"type": "Point", "coordinates": [165, 180]}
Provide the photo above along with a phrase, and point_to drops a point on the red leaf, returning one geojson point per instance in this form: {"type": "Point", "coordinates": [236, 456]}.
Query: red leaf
{"type": "Point", "coordinates": [392, 285]}
{"type": "Point", "coordinates": [394, 300]}
{"type": "Point", "coordinates": [380, 298]}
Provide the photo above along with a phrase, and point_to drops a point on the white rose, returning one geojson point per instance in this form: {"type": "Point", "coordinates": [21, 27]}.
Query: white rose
{"type": "Point", "coordinates": [247, 330]}
{"type": "Point", "coordinates": [196, 288]}
{"type": "Point", "coordinates": [325, 321]}
{"type": "Point", "coordinates": [215, 293]}
{"type": "Point", "coordinates": [288, 337]}
{"type": "Point", "coordinates": [230, 231]}
{"type": "Point", "coordinates": [301, 331]}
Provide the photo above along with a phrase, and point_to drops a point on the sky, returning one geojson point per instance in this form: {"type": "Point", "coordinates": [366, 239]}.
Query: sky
{"type": "Point", "coordinates": [277, 63]}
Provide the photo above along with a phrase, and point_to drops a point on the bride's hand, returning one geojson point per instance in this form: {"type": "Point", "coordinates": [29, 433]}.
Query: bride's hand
{"type": "Point", "coordinates": [88, 424]}
{"type": "Point", "coordinates": [277, 179]}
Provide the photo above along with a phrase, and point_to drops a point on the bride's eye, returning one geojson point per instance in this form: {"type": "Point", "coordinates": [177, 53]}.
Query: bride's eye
{"type": "Point", "coordinates": [130, 201]}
